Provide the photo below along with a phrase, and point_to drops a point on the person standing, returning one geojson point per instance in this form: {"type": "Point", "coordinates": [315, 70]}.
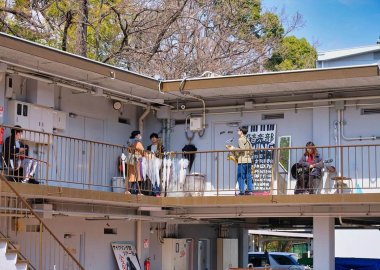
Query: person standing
{"type": "Point", "coordinates": [157, 149]}
{"type": "Point", "coordinates": [135, 150]}
{"type": "Point", "coordinates": [244, 165]}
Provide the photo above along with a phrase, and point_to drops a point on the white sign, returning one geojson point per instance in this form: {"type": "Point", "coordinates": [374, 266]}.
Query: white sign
{"type": "Point", "coordinates": [125, 254]}
{"type": "Point", "coordinates": [262, 136]}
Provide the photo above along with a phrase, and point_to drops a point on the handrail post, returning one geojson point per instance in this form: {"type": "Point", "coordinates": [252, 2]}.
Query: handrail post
{"type": "Point", "coordinates": [40, 257]}
{"type": "Point", "coordinates": [90, 167]}
{"type": "Point", "coordinates": [48, 158]}
{"type": "Point", "coordinates": [217, 173]}
{"type": "Point", "coordinates": [341, 160]}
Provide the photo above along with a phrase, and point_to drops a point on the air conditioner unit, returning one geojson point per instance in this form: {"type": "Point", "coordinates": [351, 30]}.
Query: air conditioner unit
{"type": "Point", "coordinates": [196, 124]}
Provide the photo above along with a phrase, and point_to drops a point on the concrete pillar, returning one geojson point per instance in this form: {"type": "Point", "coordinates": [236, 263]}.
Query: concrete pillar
{"type": "Point", "coordinates": [323, 243]}
{"type": "Point", "coordinates": [2, 94]}
{"type": "Point", "coordinates": [243, 248]}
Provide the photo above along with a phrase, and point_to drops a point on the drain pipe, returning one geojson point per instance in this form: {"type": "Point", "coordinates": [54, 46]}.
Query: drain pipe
{"type": "Point", "coordinates": [187, 93]}
{"type": "Point", "coordinates": [360, 138]}
{"type": "Point", "coordinates": [141, 119]}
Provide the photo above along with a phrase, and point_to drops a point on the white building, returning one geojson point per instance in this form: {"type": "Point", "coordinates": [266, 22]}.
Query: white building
{"type": "Point", "coordinates": [73, 127]}
{"type": "Point", "coordinates": [365, 55]}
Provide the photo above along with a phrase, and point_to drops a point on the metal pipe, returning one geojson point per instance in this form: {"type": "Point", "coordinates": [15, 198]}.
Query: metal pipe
{"type": "Point", "coordinates": [84, 83]}
{"type": "Point", "coordinates": [186, 93]}
{"type": "Point", "coordinates": [283, 103]}
{"type": "Point", "coordinates": [360, 138]}
{"type": "Point", "coordinates": [141, 119]}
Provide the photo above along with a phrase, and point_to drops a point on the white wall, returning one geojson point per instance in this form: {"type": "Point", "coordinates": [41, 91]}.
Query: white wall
{"type": "Point", "coordinates": [94, 250]}
{"type": "Point", "coordinates": [357, 243]}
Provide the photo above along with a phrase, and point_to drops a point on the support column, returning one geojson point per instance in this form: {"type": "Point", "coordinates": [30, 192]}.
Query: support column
{"type": "Point", "coordinates": [323, 243]}
{"type": "Point", "coordinates": [243, 248]}
{"type": "Point", "coordinates": [2, 92]}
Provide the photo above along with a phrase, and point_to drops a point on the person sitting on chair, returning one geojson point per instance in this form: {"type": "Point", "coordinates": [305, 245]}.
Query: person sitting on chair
{"type": "Point", "coordinates": [310, 178]}
{"type": "Point", "coordinates": [14, 153]}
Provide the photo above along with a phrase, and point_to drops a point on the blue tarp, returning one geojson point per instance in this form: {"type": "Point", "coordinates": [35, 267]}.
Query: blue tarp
{"type": "Point", "coordinates": [357, 264]}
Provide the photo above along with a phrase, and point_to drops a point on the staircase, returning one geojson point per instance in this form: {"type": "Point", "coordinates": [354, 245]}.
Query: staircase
{"type": "Point", "coordinates": [11, 258]}
{"type": "Point", "coordinates": [37, 247]}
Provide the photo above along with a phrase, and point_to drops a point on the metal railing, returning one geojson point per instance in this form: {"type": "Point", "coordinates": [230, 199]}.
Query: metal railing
{"type": "Point", "coordinates": [77, 163]}
{"type": "Point", "coordinates": [38, 244]}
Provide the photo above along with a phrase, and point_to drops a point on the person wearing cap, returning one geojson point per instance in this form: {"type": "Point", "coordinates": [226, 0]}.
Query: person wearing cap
{"type": "Point", "coordinates": [136, 150]}
{"type": "Point", "coordinates": [313, 163]}
{"type": "Point", "coordinates": [244, 164]}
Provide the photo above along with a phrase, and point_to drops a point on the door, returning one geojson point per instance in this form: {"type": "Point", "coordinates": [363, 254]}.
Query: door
{"type": "Point", "coordinates": [74, 242]}
{"type": "Point", "coordinates": [225, 170]}
{"type": "Point", "coordinates": [203, 254]}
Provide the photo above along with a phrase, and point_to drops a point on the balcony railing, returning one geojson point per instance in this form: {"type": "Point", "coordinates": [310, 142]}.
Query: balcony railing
{"type": "Point", "coordinates": [76, 163]}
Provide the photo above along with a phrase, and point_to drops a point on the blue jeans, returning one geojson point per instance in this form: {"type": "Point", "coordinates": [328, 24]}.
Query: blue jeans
{"type": "Point", "coordinates": [244, 174]}
{"type": "Point", "coordinates": [156, 189]}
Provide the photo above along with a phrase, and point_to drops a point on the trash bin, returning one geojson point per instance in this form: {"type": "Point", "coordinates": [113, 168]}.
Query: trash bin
{"type": "Point", "coordinates": [118, 184]}
{"type": "Point", "coordinates": [194, 184]}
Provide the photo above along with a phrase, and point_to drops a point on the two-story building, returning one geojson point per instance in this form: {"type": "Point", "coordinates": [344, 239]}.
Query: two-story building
{"type": "Point", "coordinates": [77, 115]}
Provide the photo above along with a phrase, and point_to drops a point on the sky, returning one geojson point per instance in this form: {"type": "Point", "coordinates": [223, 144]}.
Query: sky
{"type": "Point", "coordinates": [333, 24]}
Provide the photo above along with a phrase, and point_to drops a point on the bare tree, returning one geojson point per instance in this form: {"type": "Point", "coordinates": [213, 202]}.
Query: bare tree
{"type": "Point", "coordinates": [164, 38]}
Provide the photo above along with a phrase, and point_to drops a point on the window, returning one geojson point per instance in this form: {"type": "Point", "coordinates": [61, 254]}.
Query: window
{"type": "Point", "coordinates": [283, 260]}
{"type": "Point", "coordinates": [257, 260]}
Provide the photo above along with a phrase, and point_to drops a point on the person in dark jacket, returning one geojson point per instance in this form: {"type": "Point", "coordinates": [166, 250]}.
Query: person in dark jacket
{"type": "Point", "coordinates": [13, 149]}
{"type": "Point", "coordinates": [16, 153]}
{"type": "Point", "coordinates": [156, 147]}
{"type": "Point", "coordinates": [310, 177]}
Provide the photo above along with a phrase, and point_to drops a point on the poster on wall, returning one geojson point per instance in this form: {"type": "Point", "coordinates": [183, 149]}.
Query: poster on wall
{"type": "Point", "coordinates": [126, 256]}
{"type": "Point", "coordinates": [262, 136]}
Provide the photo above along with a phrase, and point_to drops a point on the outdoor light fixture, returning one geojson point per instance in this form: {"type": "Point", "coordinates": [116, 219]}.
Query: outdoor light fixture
{"type": "Point", "coordinates": [112, 75]}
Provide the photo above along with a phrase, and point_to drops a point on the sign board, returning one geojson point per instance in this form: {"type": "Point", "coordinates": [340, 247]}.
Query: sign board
{"type": "Point", "coordinates": [261, 137]}
{"type": "Point", "coordinates": [126, 256]}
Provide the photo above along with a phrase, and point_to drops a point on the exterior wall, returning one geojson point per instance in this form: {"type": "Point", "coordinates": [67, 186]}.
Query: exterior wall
{"type": "Point", "coordinates": [354, 60]}
{"type": "Point", "coordinates": [86, 239]}
{"type": "Point", "coordinates": [357, 243]}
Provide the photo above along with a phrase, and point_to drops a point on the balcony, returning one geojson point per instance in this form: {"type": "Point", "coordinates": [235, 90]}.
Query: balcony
{"type": "Point", "coordinates": [67, 162]}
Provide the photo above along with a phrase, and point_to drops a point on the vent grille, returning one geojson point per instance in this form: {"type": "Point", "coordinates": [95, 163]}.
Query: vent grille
{"type": "Point", "coordinates": [110, 230]}
{"type": "Point", "coordinates": [180, 122]}
{"type": "Point", "coordinates": [371, 111]}
{"type": "Point", "coordinates": [124, 121]}
{"type": "Point", "coordinates": [273, 116]}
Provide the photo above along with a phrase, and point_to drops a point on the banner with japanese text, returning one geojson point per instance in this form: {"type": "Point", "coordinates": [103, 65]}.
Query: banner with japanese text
{"type": "Point", "coordinates": [262, 137]}
{"type": "Point", "coordinates": [126, 256]}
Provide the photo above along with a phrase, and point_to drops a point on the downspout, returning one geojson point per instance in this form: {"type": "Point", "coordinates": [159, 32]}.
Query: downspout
{"type": "Point", "coordinates": [186, 93]}
{"type": "Point", "coordinates": [141, 119]}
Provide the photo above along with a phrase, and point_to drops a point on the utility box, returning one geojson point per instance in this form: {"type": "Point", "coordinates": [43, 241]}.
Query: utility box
{"type": "Point", "coordinates": [227, 253]}
{"type": "Point", "coordinates": [44, 210]}
{"type": "Point", "coordinates": [196, 124]}
{"type": "Point", "coordinates": [177, 254]}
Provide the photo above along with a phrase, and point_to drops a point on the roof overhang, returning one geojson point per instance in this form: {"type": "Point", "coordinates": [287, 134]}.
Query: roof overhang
{"type": "Point", "coordinates": [47, 62]}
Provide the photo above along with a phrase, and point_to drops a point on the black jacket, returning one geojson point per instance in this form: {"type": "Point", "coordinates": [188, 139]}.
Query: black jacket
{"type": "Point", "coordinates": [10, 149]}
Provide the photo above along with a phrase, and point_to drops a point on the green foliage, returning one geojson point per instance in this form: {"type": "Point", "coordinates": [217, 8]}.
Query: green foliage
{"type": "Point", "coordinates": [293, 53]}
